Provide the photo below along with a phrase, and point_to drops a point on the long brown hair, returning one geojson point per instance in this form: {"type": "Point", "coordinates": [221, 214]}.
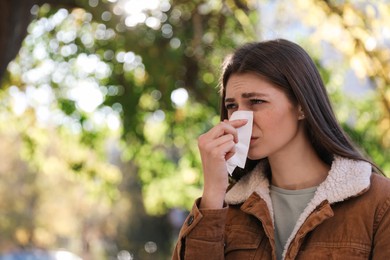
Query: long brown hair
{"type": "Point", "coordinates": [288, 66]}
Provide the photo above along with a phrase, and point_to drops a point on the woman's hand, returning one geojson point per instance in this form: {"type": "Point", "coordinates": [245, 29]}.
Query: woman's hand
{"type": "Point", "coordinates": [216, 146]}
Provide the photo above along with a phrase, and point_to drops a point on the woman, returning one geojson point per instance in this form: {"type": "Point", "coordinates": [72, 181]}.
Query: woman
{"type": "Point", "coordinates": [306, 192]}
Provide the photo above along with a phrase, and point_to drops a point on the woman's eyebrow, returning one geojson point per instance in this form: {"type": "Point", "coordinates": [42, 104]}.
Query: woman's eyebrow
{"type": "Point", "coordinates": [253, 94]}
{"type": "Point", "coordinates": [246, 95]}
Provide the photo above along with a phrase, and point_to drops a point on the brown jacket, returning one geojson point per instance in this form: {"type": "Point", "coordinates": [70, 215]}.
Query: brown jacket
{"type": "Point", "coordinates": [348, 218]}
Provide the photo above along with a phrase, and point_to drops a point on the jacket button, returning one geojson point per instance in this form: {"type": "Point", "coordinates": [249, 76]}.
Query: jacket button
{"type": "Point", "coordinates": [190, 220]}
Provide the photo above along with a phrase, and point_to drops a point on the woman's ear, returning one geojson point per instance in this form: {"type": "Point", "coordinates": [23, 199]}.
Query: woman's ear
{"type": "Point", "coordinates": [301, 114]}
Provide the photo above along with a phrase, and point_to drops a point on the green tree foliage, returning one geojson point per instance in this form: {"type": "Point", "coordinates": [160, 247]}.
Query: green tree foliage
{"type": "Point", "coordinates": [80, 71]}
{"type": "Point", "coordinates": [135, 72]}
{"type": "Point", "coordinates": [54, 189]}
{"type": "Point", "coordinates": [360, 31]}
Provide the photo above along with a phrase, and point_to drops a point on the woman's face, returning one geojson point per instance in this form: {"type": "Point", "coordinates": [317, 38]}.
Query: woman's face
{"type": "Point", "coordinates": [276, 129]}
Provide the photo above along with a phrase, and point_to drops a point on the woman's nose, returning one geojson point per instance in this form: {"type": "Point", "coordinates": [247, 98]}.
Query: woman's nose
{"type": "Point", "coordinates": [243, 108]}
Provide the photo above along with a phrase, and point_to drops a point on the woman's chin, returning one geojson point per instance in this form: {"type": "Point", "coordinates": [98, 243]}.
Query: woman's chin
{"type": "Point", "coordinates": [255, 157]}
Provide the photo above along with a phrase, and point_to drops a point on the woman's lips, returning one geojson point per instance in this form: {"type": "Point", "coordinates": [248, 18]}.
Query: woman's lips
{"type": "Point", "coordinates": [253, 139]}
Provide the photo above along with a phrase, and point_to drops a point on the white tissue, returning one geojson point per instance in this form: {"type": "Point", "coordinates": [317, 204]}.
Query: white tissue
{"type": "Point", "coordinates": [244, 138]}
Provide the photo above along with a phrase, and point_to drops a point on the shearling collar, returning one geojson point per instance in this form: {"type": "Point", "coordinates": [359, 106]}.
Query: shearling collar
{"type": "Point", "coordinates": [346, 178]}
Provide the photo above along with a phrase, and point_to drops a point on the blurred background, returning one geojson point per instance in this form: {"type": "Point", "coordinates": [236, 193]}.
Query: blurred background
{"type": "Point", "coordinates": [102, 101]}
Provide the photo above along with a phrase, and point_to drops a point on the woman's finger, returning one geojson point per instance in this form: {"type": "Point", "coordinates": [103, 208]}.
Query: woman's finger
{"type": "Point", "coordinates": [220, 141]}
{"type": "Point", "coordinates": [220, 151]}
{"type": "Point", "coordinates": [230, 153]}
{"type": "Point", "coordinates": [227, 127]}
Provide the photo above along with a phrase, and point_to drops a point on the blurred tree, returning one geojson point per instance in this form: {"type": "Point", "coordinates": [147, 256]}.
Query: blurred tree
{"type": "Point", "coordinates": [95, 66]}
{"type": "Point", "coordinates": [55, 191]}
{"type": "Point", "coordinates": [16, 16]}
{"type": "Point", "coordinates": [360, 31]}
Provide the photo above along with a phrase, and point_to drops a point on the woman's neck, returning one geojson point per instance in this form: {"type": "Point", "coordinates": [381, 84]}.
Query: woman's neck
{"type": "Point", "coordinates": [298, 169]}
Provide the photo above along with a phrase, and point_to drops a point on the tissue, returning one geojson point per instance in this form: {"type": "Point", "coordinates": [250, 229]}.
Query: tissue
{"type": "Point", "coordinates": [244, 138]}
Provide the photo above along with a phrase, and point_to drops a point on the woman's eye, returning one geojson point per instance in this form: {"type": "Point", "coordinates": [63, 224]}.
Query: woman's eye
{"type": "Point", "coordinates": [230, 106]}
{"type": "Point", "coordinates": [256, 101]}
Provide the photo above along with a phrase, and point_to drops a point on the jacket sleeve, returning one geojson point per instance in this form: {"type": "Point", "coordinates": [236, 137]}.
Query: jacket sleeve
{"type": "Point", "coordinates": [381, 248]}
{"type": "Point", "coordinates": [202, 234]}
